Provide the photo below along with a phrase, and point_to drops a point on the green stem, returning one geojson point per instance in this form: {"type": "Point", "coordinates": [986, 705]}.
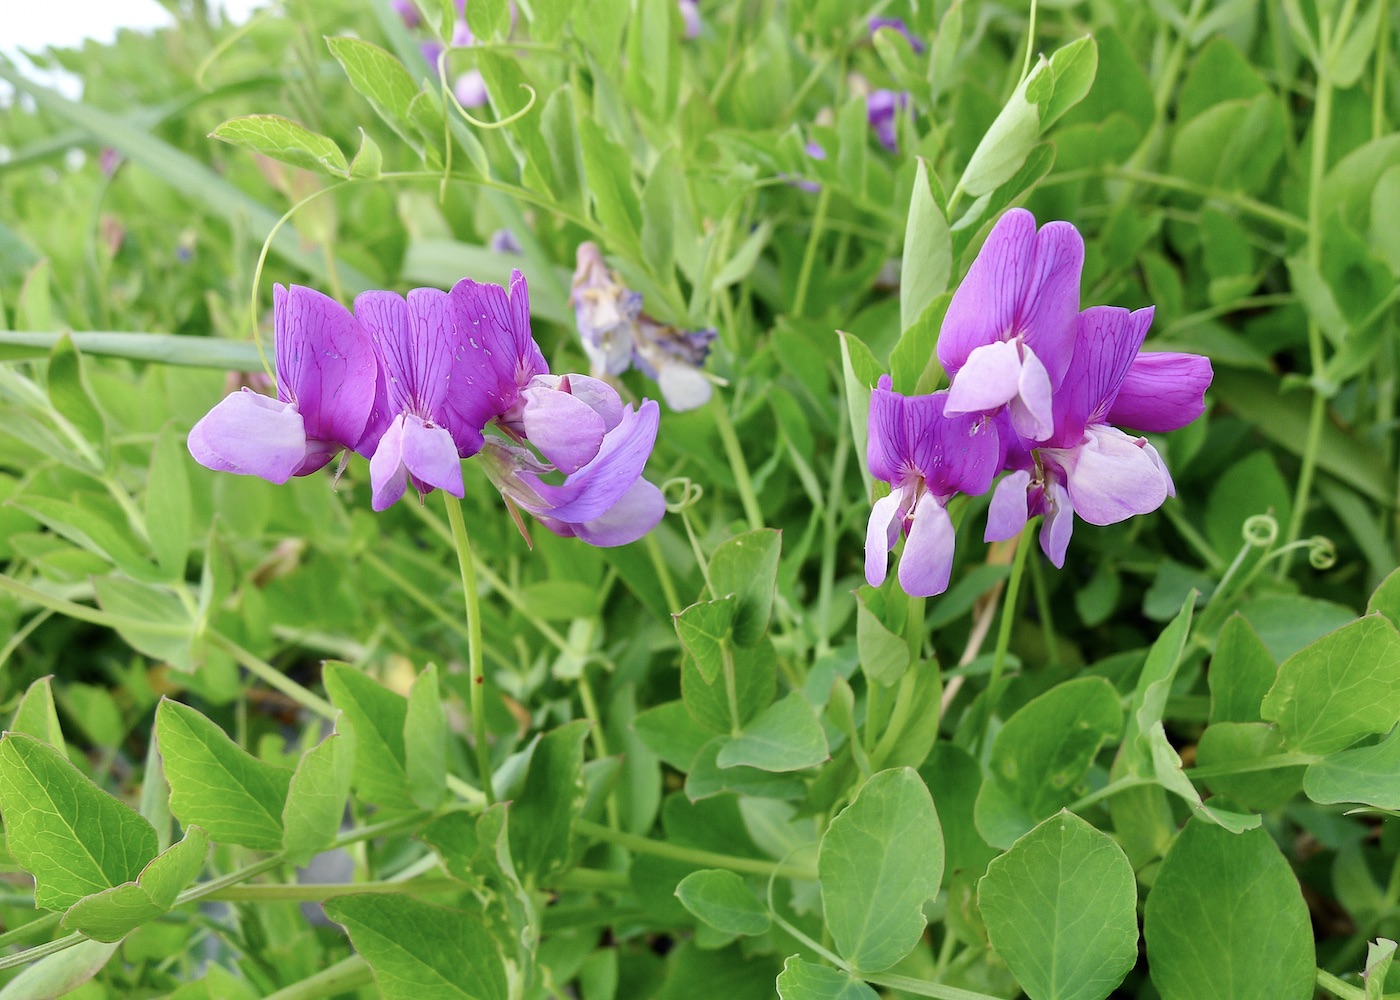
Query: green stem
{"type": "Point", "coordinates": [1333, 985]}
{"type": "Point", "coordinates": [692, 855]}
{"type": "Point", "coordinates": [311, 892]}
{"type": "Point", "coordinates": [1030, 43]}
{"type": "Point", "coordinates": [737, 464]}
{"type": "Point", "coordinates": [731, 686]}
{"type": "Point", "coordinates": [1108, 791]}
{"type": "Point", "coordinates": [1008, 617]}
{"type": "Point", "coordinates": [663, 574]}
{"type": "Point", "coordinates": [1270, 763]}
{"type": "Point", "coordinates": [35, 928]}
{"type": "Point", "coordinates": [342, 977]}
{"type": "Point", "coordinates": [835, 502]}
{"type": "Point", "coordinates": [923, 988]}
{"type": "Point", "coordinates": [83, 613]}
{"type": "Point", "coordinates": [1378, 88]}
{"type": "Point", "coordinates": [273, 677]}
{"type": "Point", "coordinates": [478, 678]}
{"type": "Point", "coordinates": [809, 256]}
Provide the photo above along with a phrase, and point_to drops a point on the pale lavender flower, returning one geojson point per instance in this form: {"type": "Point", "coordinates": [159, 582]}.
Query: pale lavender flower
{"type": "Point", "coordinates": [108, 161]}
{"type": "Point", "coordinates": [470, 89]}
{"type": "Point", "coordinates": [882, 108]}
{"type": "Point", "coordinates": [690, 17]}
{"type": "Point", "coordinates": [1008, 336]}
{"type": "Point", "coordinates": [675, 359]}
{"type": "Point", "coordinates": [1087, 466]}
{"type": "Point", "coordinates": [926, 456]}
{"type": "Point", "coordinates": [407, 11]}
{"type": "Point", "coordinates": [504, 241]}
{"type": "Point", "coordinates": [876, 23]}
{"type": "Point", "coordinates": [326, 378]}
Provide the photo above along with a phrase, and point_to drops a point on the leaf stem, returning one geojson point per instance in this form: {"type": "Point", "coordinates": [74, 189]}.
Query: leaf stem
{"type": "Point", "coordinates": [737, 464]}
{"type": "Point", "coordinates": [691, 855]}
{"type": "Point", "coordinates": [809, 256]}
{"type": "Point", "coordinates": [1008, 615]}
{"type": "Point", "coordinates": [1333, 985]}
{"type": "Point", "coordinates": [346, 975]}
{"type": "Point", "coordinates": [273, 677]}
{"type": "Point", "coordinates": [473, 607]}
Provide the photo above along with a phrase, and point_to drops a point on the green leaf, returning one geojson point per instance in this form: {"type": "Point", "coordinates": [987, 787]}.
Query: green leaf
{"type": "Point", "coordinates": [724, 901]}
{"type": "Point", "coordinates": [70, 393]}
{"type": "Point", "coordinates": [1235, 744]}
{"type": "Point", "coordinates": [34, 310]}
{"type": "Point", "coordinates": [707, 779]}
{"type": "Point", "coordinates": [1241, 673]}
{"type": "Point", "coordinates": [1386, 599]}
{"type": "Point", "coordinates": [608, 172]}
{"type": "Point", "coordinates": [928, 252]}
{"type": "Point", "coordinates": [755, 672]}
{"type": "Point", "coordinates": [316, 796]}
{"type": "Point", "coordinates": [60, 974]}
{"type": "Point", "coordinates": [36, 716]}
{"type": "Point", "coordinates": [544, 811]}
{"type": "Point", "coordinates": [1317, 298]}
{"type": "Point", "coordinates": [381, 79]}
{"type": "Point", "coordinates": [285, 140]}
{"type": "Point", "coordinates": [702, 629]}
{"type": "Point", "coordinates": [218, 785]}
{"type": "Point", "coordinates": [1074, 67]}
{"type": "Point", "coordinates": [786, 736]}
{"type": "Point", "coordinates": [74, 838]}
{"type": "Point", "coordinates": [488, 19]}
{"type": "Point", "coordinates": [1344, 686]}
{"type": "Point", "coordinates": [368, 163]}
{"type": "Point", "coordinates": [747, 567]}
{"type": "Point", "coordinates": [860, 372]}
{"type": "Point", "coordinates": [738, 267]}
{"type": "Point", "coordinates": [168, 518]}
{"type": "Point", "coordinates": [1061, 910]}
{"type": "Point", "coordinates": [1008, 141]}
{"type": "Point", "coordinates": [1042, 754]}
{"type": "Point", "coordinates": [376, 715]}
{"type": "Point", "coordinates": [880, 861]}
{"type": "Point", "coordinates": [672, 733]}
{"type": "Point", "coordinates": [801, 980]}
{"type": "Point", "coordinates": [884, 656]}
{"type": "Point", "coordinates": [1225, 919]}
{"type": "Point", "coordinates": [1379, 956]}
{"type": "Point", "coordinates": [86, 526]}
{"type": "Point", "coordinates": [113, 913]}
{"type": "Point", "coordinates": [1248, 487]}
{"type": "Point", "coordinates": [425, 741]}
{"type": "Point", "coordinates": [418, 950]}
{"type": "Point", "coordinates": [157, 624]}
{"type": "Point", "coordinates": [1369, 775]}
{"type": "Point", "coordinates": [1346, 60]}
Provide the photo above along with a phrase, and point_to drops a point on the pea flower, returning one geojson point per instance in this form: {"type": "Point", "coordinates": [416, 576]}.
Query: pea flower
{"type": "Point", "coordinates": [617, 335]}
{"type": "Point", "coordinates": [915, 43]}
{"type": "Point", "coordinates": [326, 384]}
{"type": "Point", "coordinates": [690, 18]}
{"type": "Point", "coordinates": [927, 456]}
{"type": "Point", "coordinates": [882, 108]}
{"type": "Point", "coordinates": [1087, 466]}
{"type": "Point", "coordinates": [1008, 337]}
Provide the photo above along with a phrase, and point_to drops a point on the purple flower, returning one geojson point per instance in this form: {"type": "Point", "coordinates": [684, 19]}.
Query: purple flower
{"type": "Point", "coordinates": [504, 241]}
{"type": "Point", "coordinates": [690, 16]}
{"type": "Point", "coordinates": [470, 89]}
{"type": "Point", "coordinates": [109, 160]}
{"type": "Point", "coordinates": [407, 11]}
{"type": "Point", "coordinates": [926, 456]}
{"type": "Point", "coordinates": [326, 378]}
{"type": "Point", "coordinates": [882, 108]}
{"type": "Point", "coordinates": [617, 335]}
{"type": "Point", "coordinates": [876, 23]}
{"type": "Point", "coordinates": [604, 501]}
{"type": "Point", "coordinates": [1008, 335]}
{"type": "Point", "coordinates": [605, 311]}
{"type": "Point", "coordinates": [1087, 466]}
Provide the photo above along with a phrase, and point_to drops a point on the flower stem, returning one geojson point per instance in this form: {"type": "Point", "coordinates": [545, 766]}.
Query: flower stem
{"type": "Point", "coordinates": [1338, 988]}
{"type": "Point", "coordinates": [737, 464]}
{"type": "Point", "coordinates": [273, 677]}
{"type": "Point", "coordinates": [1008, 616]}
{"type": "Point", "coordinates": [809, 257]}
{"type": "Point", "coordinates": [342, 977]}
{"type": "Point", "coordinates": [695, 856]}
{"type": "Point", "coordinates": [478, 678]}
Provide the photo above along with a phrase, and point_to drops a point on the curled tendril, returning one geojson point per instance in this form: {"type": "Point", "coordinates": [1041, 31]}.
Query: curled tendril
{"type": "Point", "coordinates": [686, 493]}
{"type": "Point", "coordinates": [508, 120]}
{"type": "Point", "coordinates": [1322, 553]}
{"type": "Point", "coordinates": [1260, 531]}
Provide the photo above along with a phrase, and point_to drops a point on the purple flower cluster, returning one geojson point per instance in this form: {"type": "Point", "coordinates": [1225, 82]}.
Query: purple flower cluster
{"type": "Point", "coordinates": [469, 87]}
{"type": "Point", "coordinates": [617, 335]}
{"type": "Point", "coordinates": [413, 383]}
{"type": "Point", "coordinates": [1036, 389]}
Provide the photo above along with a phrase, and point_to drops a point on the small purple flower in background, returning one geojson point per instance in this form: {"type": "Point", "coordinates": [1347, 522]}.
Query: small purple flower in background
{"type": "Point", "coordinates": [882, 108]}
{"type": "Point", "coordinates": [1087, 466]}
{"type": "Point", "coordinates": [927, 457]}
{"type": "Point", "coordinates": [326, 381]}
{"type": "Point", "coordinates": [108, 161]}
{"type": "Point", "coordinates": [407, 11]}
{"type": "Point", "coordinates": [690, 16]}
{"type": "Point", "coordinates": [1008, 335]}
{"type": "Point", "coordinates": [605, 311]}
{"type": "Point", "coordinates": [504, 241]}
{"type": "Point", "coordinates": [617, 335]}
{"type": "Point", "coordinates": [876, 23]}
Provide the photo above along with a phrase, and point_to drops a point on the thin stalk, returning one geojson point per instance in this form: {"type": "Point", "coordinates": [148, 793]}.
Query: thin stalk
{"type": "Point", "coordinates": [312, 892]}
{"type": "Point", "coordinates": [737, 465]}
{"type": "Point", "coordinates": [809, 256]}
{"type": "Point", "coordinates": [1040, 590]}
{"type": "Point", "coordinates": [597, 737]}
{"type": "Point", "coordinates": [273, 677]}
{"type": "Point", "coordinates": [924, 988]}
{"type": "Point", "coordinates": [663, 574]}
{"type": "Point", "coordinates": [1008, 616]}
{"type": "Point", "coordinates": [677, 852]}
{"type": "Point", "coordinates": [835, 502]}
{"type": "Point", "coordinates": [82, 612]}
{"type": "Point", "coordinates": [1339, 989]}
{"type": "Point", "coordinates": [1108, 791]}
{"type": "Point", "coordinates": [1030, 43]}
{"type": "Point", "coordinates": [36, 927]}
{"type": "Point", "coordinates": [1378, 87]}
{"type": "Point", "coordinates": [342, 977]}
{"type": "Point", "coordinates": [1322, 121]}
{"type": "Point", "coordinates": [1270, 763]}
{"type": "Point", "coordinates": [478, 677]}
{"type": "Point", "coordinates": [731, 686]}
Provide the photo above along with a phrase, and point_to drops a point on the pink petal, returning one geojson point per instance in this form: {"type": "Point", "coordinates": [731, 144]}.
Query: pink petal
{"type": "Point", "coordinates": [1162, 392]}
{"type": "Point", "coordinates": [1009, 509]}
{"type": "Point", "coordinates": [592, 490]}
{"type": "Point", "coordinates": [927, 562]}
{"type": "Point", "coordinates": [325, 364]}
{"type": "Point", "coordinates": [1110, 476]}
{"type": "Point", "coordinates": [1032, 411]}
{"type": "Point", "coordinates": [990, 379]}
{"type": "Point", "coordinates": [984, 307]}
{"type": "Point", "coordinates": [881, 532]}
{"type": "Point", "coordinates": [430, 456]}
{"type": "Point", "coordinates": [1058, 526]}
{"type": "Point", "coordinates": [251, 435]}
{"type": "Point", "coordinates": [388, 476]}
{"type": "Point", "coordinates": [565, 429]}
{"type": "Point", "coordinates": [640, 509]}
